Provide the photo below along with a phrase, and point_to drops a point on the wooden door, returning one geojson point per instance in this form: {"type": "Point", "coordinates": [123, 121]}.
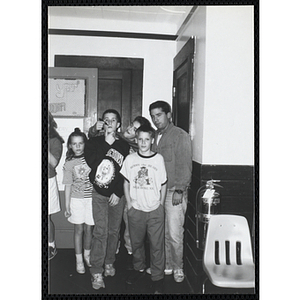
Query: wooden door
{"type": "Point", "coordinates": [183, 86]}
{"type": "Point", "coordinates": [120, 82]}
{"type": "Point", "coordinates": [114, 91]}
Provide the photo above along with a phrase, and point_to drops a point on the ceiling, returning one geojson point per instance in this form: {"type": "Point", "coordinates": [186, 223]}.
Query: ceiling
{"type": "Point", "coordinates": [162, 19]}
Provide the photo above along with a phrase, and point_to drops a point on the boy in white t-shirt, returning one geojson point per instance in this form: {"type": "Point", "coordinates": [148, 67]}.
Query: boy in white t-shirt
{"type": "Point", "coordinates": [145, 191]}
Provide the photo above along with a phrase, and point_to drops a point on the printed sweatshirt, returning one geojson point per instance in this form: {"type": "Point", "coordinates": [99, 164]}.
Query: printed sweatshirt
{"type": "Point", "coordinates": [105, 162]}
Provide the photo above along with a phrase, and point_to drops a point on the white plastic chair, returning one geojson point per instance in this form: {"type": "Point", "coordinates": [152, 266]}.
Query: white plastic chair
{"type": "Point", "coordinates": [228, 259]}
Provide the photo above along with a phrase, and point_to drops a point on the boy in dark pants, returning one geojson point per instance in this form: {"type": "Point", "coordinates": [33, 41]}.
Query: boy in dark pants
{"type": "Point", "coordinates": [145, 191]}
{"type": "Point", "coordinates": [105, 155]}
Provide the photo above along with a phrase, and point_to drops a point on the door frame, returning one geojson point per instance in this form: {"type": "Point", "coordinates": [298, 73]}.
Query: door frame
{"type": "Point", "coordinates": [185, 55]}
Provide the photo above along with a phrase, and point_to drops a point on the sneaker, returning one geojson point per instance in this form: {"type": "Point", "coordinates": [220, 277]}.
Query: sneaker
{"type": "Point", "coordinates": [51, 252]}
{"type": "Point", "coordinates": [158, 286]}
{"type": "Point", "coordinates": [80, 268]}
{"type": "Point", "coordinates": [178, 275]}
{"type": "Point", "coordinates": [135, 276]}
{"type": "Point", "coordinates": [97, 281]}
{"type": "Point", "coordinates": [87, 260]}
{"type": "Point", "coordinates": [109, 270]}
{"type": "Point", "coordinates": [167, 271]}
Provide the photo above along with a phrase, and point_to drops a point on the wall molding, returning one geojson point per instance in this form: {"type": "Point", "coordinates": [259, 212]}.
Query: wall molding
{"type": "Point", "coordinates": [187, 19]}
{"type": "Point", "coordinates": [115, 34]}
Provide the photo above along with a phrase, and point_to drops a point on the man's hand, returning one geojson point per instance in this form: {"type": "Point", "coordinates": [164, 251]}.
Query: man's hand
{"type": "Point", "coordinates": [177, 198]}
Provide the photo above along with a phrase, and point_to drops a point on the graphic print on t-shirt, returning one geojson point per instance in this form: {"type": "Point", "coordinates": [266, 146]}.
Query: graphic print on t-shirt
{"type": "Point", "coordinates": [142, 178]}
{"type": "Point", "coordinates": [105, 173]}
{"type": "Point", "coordinates": [81, 171]}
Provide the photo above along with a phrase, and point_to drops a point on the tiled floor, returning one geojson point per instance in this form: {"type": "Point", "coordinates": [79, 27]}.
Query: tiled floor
{"type": "Point", "coordinates": [63, 278]}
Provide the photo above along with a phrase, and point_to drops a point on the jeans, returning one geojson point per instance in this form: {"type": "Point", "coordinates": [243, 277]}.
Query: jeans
{"type": "Point", "coordinates": [151, 223]}
{"type": "Point", "coordinates": [174, 221]}
{"type": "Point", "coordinates": [106, 231]}
{"type": "Point", "coordinates": [126, 231]}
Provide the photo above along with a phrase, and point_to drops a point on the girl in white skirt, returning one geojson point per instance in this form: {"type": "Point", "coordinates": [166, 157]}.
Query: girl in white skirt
{"type": "Point", "coordinates": [78, 195]}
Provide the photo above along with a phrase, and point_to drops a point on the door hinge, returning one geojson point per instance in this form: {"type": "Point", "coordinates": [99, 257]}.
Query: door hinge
{"type": "Point", "coordinates": [174, 91]}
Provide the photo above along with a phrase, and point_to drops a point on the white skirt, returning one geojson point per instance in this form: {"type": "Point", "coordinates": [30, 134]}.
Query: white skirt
{"type": "Point", "coordinates": [53, 196]}
{"type": "Point", "coordinates": [81, 211]}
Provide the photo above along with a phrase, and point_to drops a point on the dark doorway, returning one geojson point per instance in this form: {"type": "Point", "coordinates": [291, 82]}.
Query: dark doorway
{"type": "Point", "coordinates": [120, 82]}
{"type": "Point", "coordinates": [183, 85]}
{"type": "Point", "coordinates": [114, 91]}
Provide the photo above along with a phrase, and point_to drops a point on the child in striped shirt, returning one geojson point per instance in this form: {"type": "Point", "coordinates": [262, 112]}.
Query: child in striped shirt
{"type": "Point", "coordinates": [78, 197]}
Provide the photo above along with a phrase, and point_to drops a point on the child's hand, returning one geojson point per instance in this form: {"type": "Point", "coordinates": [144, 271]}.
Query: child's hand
{"type": "Point", "coordinates": [113, 200]}
{"type": "Point", "coordinates": [99, 125]}
{"type": "Point", "coordinates": [129, 205]}
{"type": "Point", "coordinates": [67, 214]}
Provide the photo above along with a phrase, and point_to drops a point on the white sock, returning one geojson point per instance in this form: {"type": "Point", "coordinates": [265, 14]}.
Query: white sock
{"type": "Point", "coordinates": [79, 258]}
{"type": "Point", "coordinates": [52, 244]}
{"type": "Point", "coordinates": [86, 252]}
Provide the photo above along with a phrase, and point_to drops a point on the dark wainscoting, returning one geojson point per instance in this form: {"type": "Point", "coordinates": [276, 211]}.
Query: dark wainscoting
{"type": "Point", "coordinates": [237, 197]}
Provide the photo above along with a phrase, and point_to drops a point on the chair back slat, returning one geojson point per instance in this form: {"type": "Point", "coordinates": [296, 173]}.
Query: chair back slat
{"type": "Point", "coordinates": [228, 251]}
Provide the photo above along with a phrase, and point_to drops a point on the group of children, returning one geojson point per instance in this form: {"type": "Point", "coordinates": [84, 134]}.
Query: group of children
{"type": "Point", "coordinates": [106, 177]}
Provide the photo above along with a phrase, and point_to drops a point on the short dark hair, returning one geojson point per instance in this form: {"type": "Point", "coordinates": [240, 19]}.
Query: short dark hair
{"type": "Point", "coordinates": [142, 121]}
{"type": "Point", "coordinates": [146, 128]}
{"type": "Point", "coordinates": [165, 106]}
{"type": "Point", "coordinates": [113, 111]}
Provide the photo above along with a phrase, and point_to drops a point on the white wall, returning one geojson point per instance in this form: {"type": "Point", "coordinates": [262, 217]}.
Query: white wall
{"type": "Point", "coordinates": [158, 59]}
{"type": "Point", "coordinates": [158, 68]}
{"type": "Point", "coordinates": [228, 136]}
{"type": "Point", "coordinates": [69, 17]}
{"type": "Point", "coordinates": [223, 112]}
{"type": "Point", "coordinates": [223, 119]}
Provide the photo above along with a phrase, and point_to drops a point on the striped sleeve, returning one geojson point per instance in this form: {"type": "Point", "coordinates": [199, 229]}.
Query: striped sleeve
{"type": "Point", "coordinates": [88, 186]}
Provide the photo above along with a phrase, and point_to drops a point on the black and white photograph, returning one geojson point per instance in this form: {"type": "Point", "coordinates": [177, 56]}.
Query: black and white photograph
{"type": "Point", "coordinates": [229, 73]}
{"type": "Point", "coordinates": [152, 156]}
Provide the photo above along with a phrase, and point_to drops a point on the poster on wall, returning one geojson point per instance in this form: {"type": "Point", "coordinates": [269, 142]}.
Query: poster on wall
{"type": "Point", "coordinates": [66, 97]}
